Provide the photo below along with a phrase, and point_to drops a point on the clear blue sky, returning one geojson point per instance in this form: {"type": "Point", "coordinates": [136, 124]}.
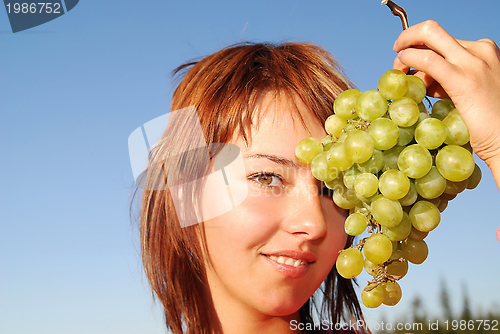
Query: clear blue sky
{"type": "Point", "coordinates": [72, 91]}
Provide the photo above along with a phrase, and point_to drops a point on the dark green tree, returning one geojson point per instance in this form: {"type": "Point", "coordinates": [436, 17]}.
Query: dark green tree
{"type": "Point", "coordinates": [466, 313]}
{"type": "Point", "coordinates": [445, 301]}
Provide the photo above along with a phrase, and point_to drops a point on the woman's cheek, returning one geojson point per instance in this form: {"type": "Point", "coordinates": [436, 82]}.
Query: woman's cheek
{"type": "Point", "coordinates": [335, 217]}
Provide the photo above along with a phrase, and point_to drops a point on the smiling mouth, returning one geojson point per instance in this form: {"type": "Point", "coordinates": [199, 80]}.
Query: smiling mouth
{"type": "Point", "coordinates": [287, 260]}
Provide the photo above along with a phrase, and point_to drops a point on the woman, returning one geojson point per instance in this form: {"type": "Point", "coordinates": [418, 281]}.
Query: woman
{"type": "Point", "coordinates": [228, 270]}
{"type": "Point", "coordinates": [255, 267]}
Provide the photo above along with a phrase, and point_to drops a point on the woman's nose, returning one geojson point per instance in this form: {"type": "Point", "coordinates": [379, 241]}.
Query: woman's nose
{"type": "Point", "coordinates": [306, 213]}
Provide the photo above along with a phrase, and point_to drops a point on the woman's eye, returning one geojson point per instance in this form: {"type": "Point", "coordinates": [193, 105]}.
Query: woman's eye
{"type": "Point", "coordinates": [267, 180]}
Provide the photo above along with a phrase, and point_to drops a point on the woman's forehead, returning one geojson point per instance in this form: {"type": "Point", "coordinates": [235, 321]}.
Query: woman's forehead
{"type": "Point", "coordinates": [281, 121]}
{"type": "Point", "coordinates": [279, 109]}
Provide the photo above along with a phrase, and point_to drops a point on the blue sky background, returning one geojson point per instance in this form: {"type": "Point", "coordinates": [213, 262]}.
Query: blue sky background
{"type": "Point", "coordinates": [73, 90]}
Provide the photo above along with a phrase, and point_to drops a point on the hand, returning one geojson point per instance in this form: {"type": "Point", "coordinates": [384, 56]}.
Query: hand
{"type": "Point", "coordinates": [468, 72]}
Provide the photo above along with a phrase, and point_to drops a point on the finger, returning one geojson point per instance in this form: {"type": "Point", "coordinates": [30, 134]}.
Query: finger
{"type": "Point", "coordinates": [485, 49]}
{"type": "Point", "coordinates": [433, 66]}
{"type": "Point", "coordinates": [435, 90]}
{"type": "Point", "coordinates": [427, 79]}
{"type": "Point", "coordinates": [432, 35]}
{"type": "Point", "coordinates": [482, 41]}
{"type": "Point", "coordinates": [398, 65]}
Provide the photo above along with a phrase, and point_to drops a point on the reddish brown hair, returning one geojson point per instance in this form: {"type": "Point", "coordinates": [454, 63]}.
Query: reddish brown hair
{"type": "Point", "coordinates": [224, 88]}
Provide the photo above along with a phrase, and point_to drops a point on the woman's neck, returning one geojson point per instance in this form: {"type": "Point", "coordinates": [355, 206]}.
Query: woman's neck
{"type": "Point", "coordinates": [247, 323]}
{"type": "Point", "coordinates": [237, 318]}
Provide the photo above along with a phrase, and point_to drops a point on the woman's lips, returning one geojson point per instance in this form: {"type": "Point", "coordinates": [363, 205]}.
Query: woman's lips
{"type": "Point", "coordinates": [287, 260]}
{"type": "Point", "coordinates": [290, 266]}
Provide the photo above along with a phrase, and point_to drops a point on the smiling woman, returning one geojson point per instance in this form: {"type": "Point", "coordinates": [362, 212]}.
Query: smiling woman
{"type": "Point", "coordinates": [276, 248]}
{"type": "Point", "coordinates": [256, 267]}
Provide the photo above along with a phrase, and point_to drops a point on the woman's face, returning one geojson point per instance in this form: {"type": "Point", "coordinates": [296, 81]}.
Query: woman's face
{"type": "Point", "coordinates": [270, 253]}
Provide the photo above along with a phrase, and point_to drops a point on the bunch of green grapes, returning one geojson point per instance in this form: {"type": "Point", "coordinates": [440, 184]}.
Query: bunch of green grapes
{"type": "Point", "coordinates": [394, 166]}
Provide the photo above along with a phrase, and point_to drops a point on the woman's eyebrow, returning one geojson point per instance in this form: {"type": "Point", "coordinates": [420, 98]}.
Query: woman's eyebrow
{"type": "Point", "coordinates": [277, 159]}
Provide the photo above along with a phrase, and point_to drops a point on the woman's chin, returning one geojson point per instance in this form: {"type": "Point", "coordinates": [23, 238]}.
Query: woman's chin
{"type": "Point", "coordinates": [285, 309]}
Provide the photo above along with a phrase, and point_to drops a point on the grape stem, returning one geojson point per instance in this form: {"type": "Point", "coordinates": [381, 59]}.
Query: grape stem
{"type": "Point", "coordinates": [397, 11]}
{"type": "Point", "coordinates": [360, 244]}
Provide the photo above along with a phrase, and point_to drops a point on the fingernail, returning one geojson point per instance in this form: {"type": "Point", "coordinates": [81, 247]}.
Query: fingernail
{"type": "Point", "coordinates": [400, 53]}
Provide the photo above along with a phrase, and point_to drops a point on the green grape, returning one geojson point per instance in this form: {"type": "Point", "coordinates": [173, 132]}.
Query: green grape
{"type": "Point", "coordinates": [410, 197]}
{"type": "Point", "coordinates": [343, 136]}
{"type": "Point", "coordinates": [350, 128]}
{"type": "Point", "coordinates": [391, 158]}
{"type": "Point", "coordinates": [370, 267]}
{"type": "Point", "coordinates": [406, 135]}
{"type": "Point", "coordinates": [345, 198]}
{"type": "Point", "coordinates": [455, 188]}
{"type": "Point", "coordinates": [417, 235]}
{"type": "Point", "coordinates": [334, 125]}
{"type": "Point", "coordinates": [430, 133]}
{"type": "Point", "coordinates": [393, 84]}
{"type": "Point", "coordinates": [367, 200]}
{"type": "Point", "coordinates": [327, 142]}
{"type": "Point", "coordinates": [321, 170]}
{"type": "Point", "coordinates": [345, 104]}
{"type": "Point", "coordinates": [374, 164]}
{"type": "Point", "coordinates": [350, 263]}
{"type": "Point", "coordinates": [350, 176]}
{"type": "Point", "coordinates": [475, 178]}
{"type": "Point", "coordinates": [355, 224]}
{"type": "Point", "coordinates": [415, 161]}
{"type": "Point", "coordinates": [307, 149]}
{"type": "Point", "coordinates": [360, 209]}
{"type": "Point", "coordinates": [468, 147]}
{"type": "Point", "coordinates": [372, 296]}
{"type": "Point", "coordinates": [393, 184]}
{"type": "Point", "coordinates": [359, 146]}
{"type": "Point", "coordinates": [335, 183]}
{"type": "Point", "coordinates": [392, 293]}
{"type": "Point", "coordinates": [400, 231]}
{"type": "Point", "coordinates": [443, 204]}
{"type": "Point", "coordinates": [385, 133]}
{"type": "Point", "coordinates": [455, 163]}
{"type": "Point", "coordinates": [397, 268]}
{"type": "Point", "coordinates": [432, 185]}
{"type": "Point", "coordinates": [423, 110]}
{"type": "Point", "coordinates": [441, 108]}
{"type": "Point", "coordinates": [456, 130]}
{"type": "Point", "coordinates": [416, 88]}
{"type": "Point", "coordinates": [366, 185]}
{"type": "Point", "coordinates": [338, 158]}
{"type": "Point", "coordinates": [447, 197]}
{"type": "Point", "coordinates": [404, 112]}
{"type": "Point", "coordinates": [415, 251]}
{"type": "Point", "coordinates": [434, 201]}
{"type": "Point", "coordinates": [424, 216]}
{"type": "Point", "coordinates": [371, 105]}
{"type": "Point", "coordinates": [377, 248]}
{"type": "Point", "coordinates": [422, 114]}
{"type": "Point", "coordinates": [387, 212]}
